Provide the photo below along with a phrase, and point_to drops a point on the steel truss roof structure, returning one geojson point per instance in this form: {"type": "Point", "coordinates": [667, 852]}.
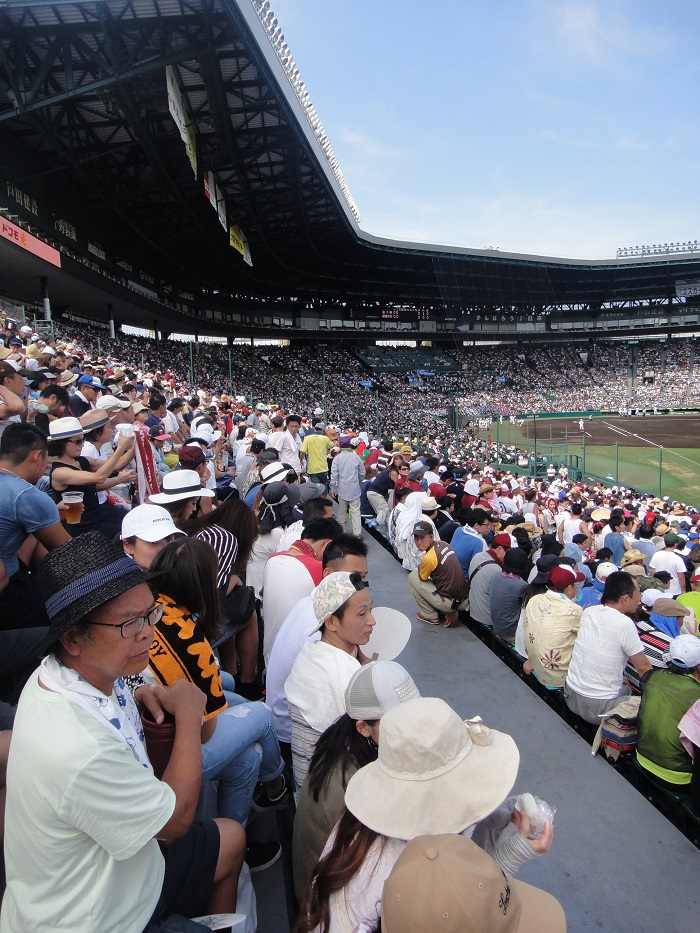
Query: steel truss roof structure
{"type": "Point", "coordinates": [90, 143]}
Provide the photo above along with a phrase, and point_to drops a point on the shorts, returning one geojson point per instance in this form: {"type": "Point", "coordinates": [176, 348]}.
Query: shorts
{"type": "Point", "coordinates": [190, 864]}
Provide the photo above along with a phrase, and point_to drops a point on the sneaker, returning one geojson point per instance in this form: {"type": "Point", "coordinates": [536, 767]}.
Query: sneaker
{"type": "Point", "coordinates": [263, 803]}
{"type": "Point", "coordinates": [422, 618]}
{"type": "Point", "coordinates": [252, 691]}
{"type": "Point", "coordinates": [261, 855]}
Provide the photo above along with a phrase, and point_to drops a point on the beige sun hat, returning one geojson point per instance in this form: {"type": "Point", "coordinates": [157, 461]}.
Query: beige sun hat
{"type": "Point", "coordinates": [434, 774]}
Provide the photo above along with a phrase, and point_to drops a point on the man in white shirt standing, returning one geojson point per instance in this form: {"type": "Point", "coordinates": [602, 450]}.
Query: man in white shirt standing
{"type": "Point", "coordinates": [289, 448]}
{"type": "Point", "coordinates": [670, 560]}
{"type": "Point", "coordinates": [606, 639]}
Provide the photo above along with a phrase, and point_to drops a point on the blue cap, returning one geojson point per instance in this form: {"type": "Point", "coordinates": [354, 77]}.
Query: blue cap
{"type": "Point", "coordinates": [90, 381]}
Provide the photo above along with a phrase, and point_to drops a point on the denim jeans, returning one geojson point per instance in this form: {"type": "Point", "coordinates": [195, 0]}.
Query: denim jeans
{"type": "Point", "coordinates": [242, 751]}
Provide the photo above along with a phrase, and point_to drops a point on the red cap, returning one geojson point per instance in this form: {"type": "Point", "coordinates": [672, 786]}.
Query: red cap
{"type": "Point", "coordinates": [502, 540]}
{"type": "Point", "coordinates": [562, 576]}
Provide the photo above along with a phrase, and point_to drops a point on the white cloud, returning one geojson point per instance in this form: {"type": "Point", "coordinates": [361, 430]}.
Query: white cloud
{"type": "Point", "coordinates": [365, 145]}
{"type": "Point", "coordinates": [594, 33]}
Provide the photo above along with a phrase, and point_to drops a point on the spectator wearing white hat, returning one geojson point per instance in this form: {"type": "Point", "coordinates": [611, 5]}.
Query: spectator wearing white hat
{"type": "Point", "coordinates": [146, 530]}
{"type": "Point", "coordinates": [72, 472]}
{"type": "Point", "coordinates": [345, 747]}
{"type": "Point", "coordinates": [180, 494]}
{"type": "Point", "coordinates": [434, 774]}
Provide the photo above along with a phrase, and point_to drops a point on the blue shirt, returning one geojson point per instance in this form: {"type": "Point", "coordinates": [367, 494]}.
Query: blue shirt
{"type": "Point", "coordinates": [466, 544]}
{"type": "Point", "coordinates": [23, 509]}
{"type": "Point", "coordinates": [616, 543]}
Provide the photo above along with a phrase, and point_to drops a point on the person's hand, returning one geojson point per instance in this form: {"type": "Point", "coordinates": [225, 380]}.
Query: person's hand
{"type": "Point", "coordinates": [544, 842]}
{"type": "Point", "coordinates": [124, 443]}
{"type": "Point", "coordinates": [145, 696]}
{"type": "Point", "coordinates": [126, 476]}
{"type": "Point", "coordinates": [181, 700]}
{"type": "Point", "coordinates": [65, 507]}
{"type": "Point", "coordinates": [334, 493]}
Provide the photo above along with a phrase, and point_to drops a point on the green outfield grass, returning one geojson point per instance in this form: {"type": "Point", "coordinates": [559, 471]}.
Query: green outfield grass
{"type": "Point", "coordinates": [678, 478]}
{"type": "Point", "coordinates": [673, 471]}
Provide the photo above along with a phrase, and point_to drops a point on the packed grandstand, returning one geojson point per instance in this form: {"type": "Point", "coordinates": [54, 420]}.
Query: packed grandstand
{"type": "Point", "coordinates": [323, 380]}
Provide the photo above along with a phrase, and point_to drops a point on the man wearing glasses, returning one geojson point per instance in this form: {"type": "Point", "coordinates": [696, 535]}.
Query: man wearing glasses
{"type": "Point", "coordinates": [85, 813]}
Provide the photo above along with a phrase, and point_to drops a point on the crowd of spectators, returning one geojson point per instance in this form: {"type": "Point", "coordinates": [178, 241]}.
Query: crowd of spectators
{"type": "Point", "coordinates": [174, 547]}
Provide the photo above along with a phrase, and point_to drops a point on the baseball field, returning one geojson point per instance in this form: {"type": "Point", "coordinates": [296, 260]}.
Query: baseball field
{"type": "Point", "coordinates": [659, 454]}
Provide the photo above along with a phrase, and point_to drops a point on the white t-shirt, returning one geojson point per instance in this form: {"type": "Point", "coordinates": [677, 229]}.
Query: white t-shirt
{"type": "Point", "coordinates": [81, 816]}
{"type": "Point", "coordinates": [317, 683]}
{"type": "Point", "coordinates": [674, 564]}
{"type": "Point", "coordinates": [291, 638]}
{"type": "Point", "coordinates": [170, 423]}
{"type": "Point", "coordinates": [606, 639]}
{"type": "Point", "coordinates": [286, 580]}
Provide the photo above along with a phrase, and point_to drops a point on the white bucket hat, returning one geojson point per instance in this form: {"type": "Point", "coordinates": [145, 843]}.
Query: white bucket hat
{"type": "Point", "coordinates": [180, 484]}
{"type": "Point", "coordinates": [434, 774]}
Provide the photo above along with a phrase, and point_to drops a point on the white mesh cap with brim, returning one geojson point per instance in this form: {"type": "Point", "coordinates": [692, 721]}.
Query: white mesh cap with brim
{"type": "Point", "coordinates": [376, 688]}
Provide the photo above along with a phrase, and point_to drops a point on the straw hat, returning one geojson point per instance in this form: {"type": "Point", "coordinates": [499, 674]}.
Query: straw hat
{"type": "Point", "coordinates": [532, 530]}
{"type": "Point", "coordinates": [93, 419]}
{"type": "Point", "coordinates": [434, 773]}
{"type": "Point", "coordinates": [67, 378]}
{"type": "Point", "coordinates": [447, 883]}
{"type": "Point", "coordinates": [65, 427]}
{"type": "Point", "coordinates": [632, 556]}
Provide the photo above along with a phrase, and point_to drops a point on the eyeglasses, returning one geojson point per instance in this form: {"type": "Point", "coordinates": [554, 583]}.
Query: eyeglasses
{"type": "Point", "coordinates": [75, 440]}
{"type": "Point", "coordinates": [133, 627]}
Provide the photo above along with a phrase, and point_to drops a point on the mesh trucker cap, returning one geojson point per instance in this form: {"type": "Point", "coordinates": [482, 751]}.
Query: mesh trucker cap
{"type": "Point", "coordinates": [376, 688]}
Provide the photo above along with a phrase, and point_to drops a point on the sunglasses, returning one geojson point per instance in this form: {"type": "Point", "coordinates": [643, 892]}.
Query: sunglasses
{"type": "Point", "coordinates": [358, 582]}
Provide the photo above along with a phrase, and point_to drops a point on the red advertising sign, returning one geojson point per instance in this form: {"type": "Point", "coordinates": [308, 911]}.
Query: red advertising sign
{"type": "Point", "coordinates": [33, 245]}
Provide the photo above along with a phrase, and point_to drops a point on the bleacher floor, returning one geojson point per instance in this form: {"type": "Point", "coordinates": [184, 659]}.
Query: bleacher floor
{"type": "Point", "coordinates": [617, 863]}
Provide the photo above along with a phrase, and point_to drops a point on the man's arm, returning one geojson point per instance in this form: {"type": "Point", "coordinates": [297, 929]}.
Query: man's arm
{"type": "Point", "coordinates": [681, 576]}
{"type": "Point", "coordinates": [52, 536]}
{"type": "Point", "coordinates": [11, 404]}
{"type": "Point", "coordinates": [186, 703]}
{"type": "Point", "coordinates": [641, 663]}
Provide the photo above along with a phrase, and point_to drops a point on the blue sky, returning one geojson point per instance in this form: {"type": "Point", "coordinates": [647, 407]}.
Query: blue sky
{"type": "Point", "coordinates": [558, 127]}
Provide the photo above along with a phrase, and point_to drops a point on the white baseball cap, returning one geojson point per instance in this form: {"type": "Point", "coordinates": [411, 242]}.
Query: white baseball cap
{"type": "Point", "coordinates": [650, 596]}
{"type": "Point", "coordinates": [605, 568]}
{"type": "Point", "coordinates": [110, 402]}
{"type": "Point", "coordinates": [684, 651]}
{"type": "Point", "coordinates": [149, 523]}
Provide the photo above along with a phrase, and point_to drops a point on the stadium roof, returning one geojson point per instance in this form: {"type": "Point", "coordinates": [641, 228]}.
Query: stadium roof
{"type": "Point", "coordinates": [101, 165]}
